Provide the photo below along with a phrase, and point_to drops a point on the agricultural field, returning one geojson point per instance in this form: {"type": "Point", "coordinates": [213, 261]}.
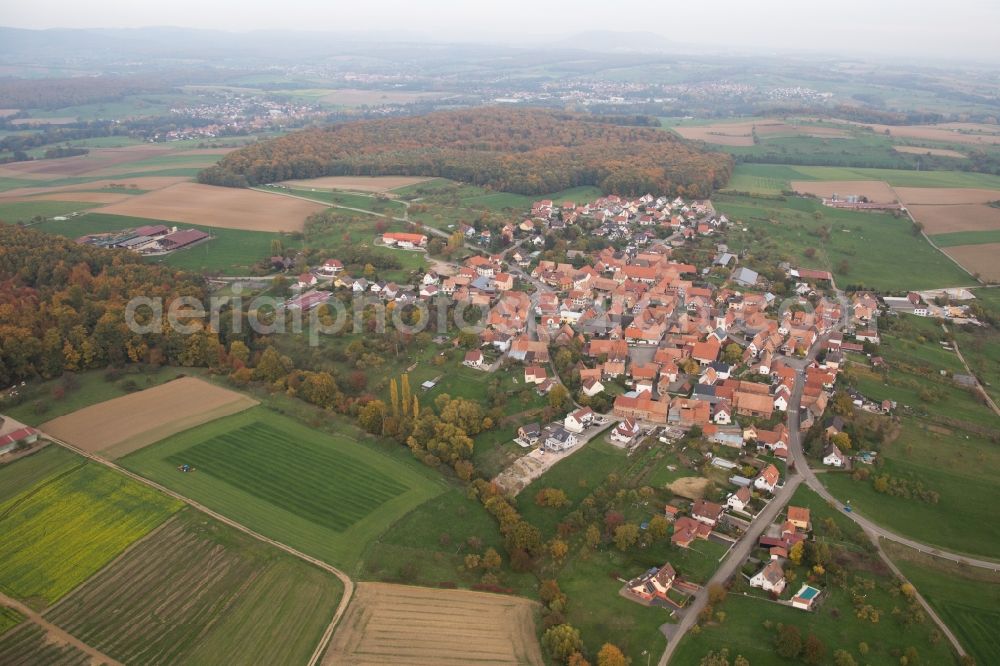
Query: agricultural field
{"type": "Point", "coordinates": [745, 133]}
{"type": "Point", "coordinates": [67, 526]}
{"type": "Point", "coordinates": [122, 425]}
{"type": "Point", "coordinates": [41, 401]}
{"type": "Point", "coordinates": [159, 603]}
{"type": "Point", "coordinates": [48, 462]}
{"type": "Point", "coordinates": [961, 467]}
{"type": "Point", "coordinates": [30, 645]}
{"type": "Point", "coordinates": [750, 623]}
{"type": "Point", "coordinates": [967, 599]}
{"type": "Point", "coordinates": [14, 211]}
{"type": "Point", "coordinates": [939, 152]}
{"type": "Point", "coordinates": [879, 251]}
{"type": "Point", "coordinates": [228, 252]}
{"type": "Point", "coordinates": [397, 624]}
{"type": "Point", "coordinates": [980, 258]}
{"type": "Point", "coordinates": [895, 177]}
{"type": "Point", "coordinates": [9, 618]}
{"type": "Point", "coordinates": [325, 495]}
{"type": "Point", "coordinates": [218, 207]}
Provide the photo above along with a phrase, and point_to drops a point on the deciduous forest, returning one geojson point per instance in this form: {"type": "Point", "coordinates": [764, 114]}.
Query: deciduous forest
{"type": "Point", "coordinates": [527, 151]}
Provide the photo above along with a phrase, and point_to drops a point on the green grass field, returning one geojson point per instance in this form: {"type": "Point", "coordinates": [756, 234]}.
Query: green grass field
{"type": "Point", "coordinates": [428, 546]}
{"type": "Point", "coordinates": [960, 467]}
{"type": "Point", "coordinates": [981, 345]}
{"type": "Point", "coordinates": [967, 237]}
{"type": "Point", "coordinates": [200, 592]}
{"type": "Point", "coordinates": [23, 211]}
{"type": "Point", "coordinates": [879, 251]}
{"type": "Point", "coordinates": [579, 475]}
{"type": "Point", "coordinates": [325, 495]}
{"type": "Point", "coordinates": [67, 526]}
{"type": "Point", "coordinates": [915, 342]}
{"type": "Point", "coordinates": [968, 600]}
{"type": "Point", "coordinates": [229, 252]}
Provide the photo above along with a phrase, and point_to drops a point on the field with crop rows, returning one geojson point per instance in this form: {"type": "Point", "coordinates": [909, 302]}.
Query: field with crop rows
{"type": "Point", "coordinates": [199, 592]}
{"type": "Point", "coordinates": [30, 645]}
{"type": "Point", "coordinates": [63, 529]}
{"type": "Point", "coordinates": [325, 495]}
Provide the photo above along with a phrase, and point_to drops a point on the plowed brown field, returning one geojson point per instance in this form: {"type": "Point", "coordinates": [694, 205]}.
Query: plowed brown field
{"type": "Point", "coordinates": [120, 426]}
{"type": "Point", "coordinates": [980, 259]}
{"type": "Point", "coordinates": [420, 626]}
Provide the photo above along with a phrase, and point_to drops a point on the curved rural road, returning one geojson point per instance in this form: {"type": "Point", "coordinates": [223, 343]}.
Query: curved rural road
{"type": "Point", "coordinates": [798, 473]}
{"type": "Point", "coordinates": [344, 578]}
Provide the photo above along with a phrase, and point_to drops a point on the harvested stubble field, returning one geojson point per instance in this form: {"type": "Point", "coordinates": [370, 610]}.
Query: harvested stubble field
{"type": "Point", "coordinates": [963, 133]}
{"type": "Point", "coordinates": [122, 425]}
{"type": "Point", "coordinates": [874, 190]}
{"type": "Point", "coordinates": [399, 624]}
{"type": "Point", "coordinates": [30, 645]}
{"type": "Point", "coordinates": [66, 527]}
{"type": "Point", "coordinates": [198, 592]}
{"type": "Point", "coordinates": [981, 258]}
{"type": "Point", "coordinates": [224, 207]}
{"type": "Point", "coordinates": [86, 197]}
{"type": "Point", "coordinates": [938, 219]}
{"type": "Point", "coordinates": [357, 97]}
{"type": "Point", "coordinates": [358, 183]}
{"type": "Point", "coordinates": [919, 150]}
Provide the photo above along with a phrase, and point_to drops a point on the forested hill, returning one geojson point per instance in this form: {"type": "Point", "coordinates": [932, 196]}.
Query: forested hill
{"type": "Point", "coordinates": [527, 151]}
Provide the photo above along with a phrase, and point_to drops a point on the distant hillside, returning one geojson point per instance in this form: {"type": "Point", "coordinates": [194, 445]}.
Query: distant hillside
{"type": "Point", "coordinates": [527, 151]}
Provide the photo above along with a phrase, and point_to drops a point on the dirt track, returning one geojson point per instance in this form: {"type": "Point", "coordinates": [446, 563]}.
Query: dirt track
{"type": "Point", "coordinates": [419, 626]}
{"type": "Point", "coordinates": [122, 425]}
{"type": "Point", "coordinates": [223, 207]}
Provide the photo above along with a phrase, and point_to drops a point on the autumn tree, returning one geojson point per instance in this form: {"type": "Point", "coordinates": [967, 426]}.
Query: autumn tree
{"type": "Point", "coordinates": [626, 536]}
{"type": "Point", "coordinates": [788, 642]}
{"type": "Point", "coordinates": [611, 655]}
{"type": "Point", "coordinates": [561, 641]}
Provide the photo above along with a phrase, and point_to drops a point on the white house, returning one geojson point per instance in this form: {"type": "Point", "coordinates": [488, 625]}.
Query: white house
{"type": "Point", "coordinates": [560, 439]}
{"type": "Point", "coordinates": [722, 415]}
{"type": "Point", "coordinates": [768, 479]}
{"type": "Point", "coordinates": [739, 500]}
{"type": "Point", "coordinates": [474, 359]}
{"type": "Point", "coordinates": [306, 280]}
{"type": "Point", "coordinates": [833, 457]}
{"type": "Point", "coordinates": [625, 431]}
{"type": "Point", "coordinates": [592, 387]}
{"type": "Point", "coordinates": [770, 579]}
{"type": "Point", "coordinates": [330, 267]}
{"type": "Point", "coordinates": [578, 421]}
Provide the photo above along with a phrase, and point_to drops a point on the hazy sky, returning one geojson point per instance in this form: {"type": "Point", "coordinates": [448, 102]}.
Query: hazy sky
{"type": "Point", "coordinates": [955, 28]}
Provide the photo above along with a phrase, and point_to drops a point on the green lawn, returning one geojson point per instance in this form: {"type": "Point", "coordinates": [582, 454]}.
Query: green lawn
{"type": "Point", "coordinates": [229, 252]}
{"type": "Point", "coordinates": [960, 467]}
{"type": "Point", "coordinates": [198, 591]}
{"type": "Point", "coordinates": [602, 615]}
{"type": "Point", "coordinates": [325, 495]}
{"type": "Point", "coordinates": [968, 600]}
{"type": "Point", "coordinates": [428, 545]}
{"type": "Point", "coordinates": [877, 250]}
{"type": "Point", "coordinates": [578, 476]}
{"type": "Point", "coordinates": [67, 526]}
